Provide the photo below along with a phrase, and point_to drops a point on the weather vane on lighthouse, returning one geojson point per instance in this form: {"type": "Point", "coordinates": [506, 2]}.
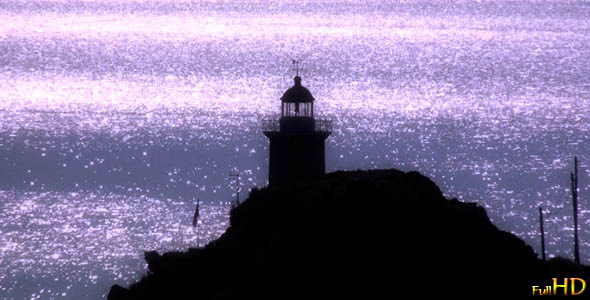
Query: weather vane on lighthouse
{"type": "Point", "coordinates": [297, 139]}
{"type": "Point", "coordinates": [296, 63]}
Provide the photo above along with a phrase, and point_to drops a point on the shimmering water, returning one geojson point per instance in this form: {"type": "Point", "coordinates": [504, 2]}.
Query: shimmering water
{"type": "Point", "coordinates": [116, 115]}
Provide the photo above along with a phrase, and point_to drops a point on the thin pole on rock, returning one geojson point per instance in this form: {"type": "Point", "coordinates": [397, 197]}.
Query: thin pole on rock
{"type": "Point", "coordinates": [236, 175]}
{"type": "Point", "coordinates": [574, 187]}
{"type": "Point", "coordinates": [542, 233]}
{"type": "Point", "coordinates": [196, 220]}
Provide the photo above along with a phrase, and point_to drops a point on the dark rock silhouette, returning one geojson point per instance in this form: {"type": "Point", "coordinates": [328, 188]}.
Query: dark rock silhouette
{"type": "Point", "coordinates": [364, 234]}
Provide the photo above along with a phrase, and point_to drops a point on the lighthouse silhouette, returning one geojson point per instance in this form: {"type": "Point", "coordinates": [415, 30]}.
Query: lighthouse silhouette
{"type": "Point", "coordinates": [297, 139]}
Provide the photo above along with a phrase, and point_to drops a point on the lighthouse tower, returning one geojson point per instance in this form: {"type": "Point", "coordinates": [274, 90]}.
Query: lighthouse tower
{"type": "Point", "coordinates": [297, 139]}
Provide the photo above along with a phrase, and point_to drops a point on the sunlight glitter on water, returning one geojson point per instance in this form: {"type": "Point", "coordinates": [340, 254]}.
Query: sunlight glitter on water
{"type": "Point", "coordinates": [92, 238]}
{"type": "Point", "coordinates": [115, 115]}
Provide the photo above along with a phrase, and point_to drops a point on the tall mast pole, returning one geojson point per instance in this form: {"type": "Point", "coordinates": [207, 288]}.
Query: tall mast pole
{"type": "Point", "coordinates": [196, 220]}
{"type": "Point", "coordinates": [574, 184]}
{"type": "Point", "coordinates": [236, 175]}
{"type": "Point", "coordinates": [542, 233]}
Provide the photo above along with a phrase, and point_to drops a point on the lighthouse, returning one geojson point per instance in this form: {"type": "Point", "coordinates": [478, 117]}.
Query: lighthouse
{"type": "Point", "coordinates": [297, 138]}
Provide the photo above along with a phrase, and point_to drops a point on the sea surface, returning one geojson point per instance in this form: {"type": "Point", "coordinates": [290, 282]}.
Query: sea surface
{"type": "Point", "coordinates": [117, 116]}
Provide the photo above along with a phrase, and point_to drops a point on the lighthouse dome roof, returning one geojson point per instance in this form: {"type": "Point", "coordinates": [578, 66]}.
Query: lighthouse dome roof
{"type": "Point", "coordinates": [297, 93]}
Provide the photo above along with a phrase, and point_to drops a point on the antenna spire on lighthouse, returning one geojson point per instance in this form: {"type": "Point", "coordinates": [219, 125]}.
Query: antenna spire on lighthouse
{"type": "Point", "coordinates": [296, 63]}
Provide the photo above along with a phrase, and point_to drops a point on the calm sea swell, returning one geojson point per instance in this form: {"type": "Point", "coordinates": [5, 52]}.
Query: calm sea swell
{"type": "Point", "coordinates": [115, 116]}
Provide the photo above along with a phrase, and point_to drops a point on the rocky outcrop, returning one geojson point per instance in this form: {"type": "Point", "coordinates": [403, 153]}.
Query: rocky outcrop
{"type": "Point", "coordinates": [364, 234]}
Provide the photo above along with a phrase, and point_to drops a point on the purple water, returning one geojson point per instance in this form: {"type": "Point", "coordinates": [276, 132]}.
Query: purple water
{"type": "Point", "coordinates": [115, 116]}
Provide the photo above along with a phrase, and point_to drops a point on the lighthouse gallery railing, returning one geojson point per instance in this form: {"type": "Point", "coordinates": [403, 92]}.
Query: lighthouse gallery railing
{"type": "Point", "coordinates": [274, 124]}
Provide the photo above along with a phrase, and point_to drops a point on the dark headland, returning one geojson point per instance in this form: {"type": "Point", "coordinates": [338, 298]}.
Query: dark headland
{"type": "Point", "coordinates": [362, 234]}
